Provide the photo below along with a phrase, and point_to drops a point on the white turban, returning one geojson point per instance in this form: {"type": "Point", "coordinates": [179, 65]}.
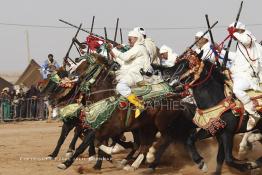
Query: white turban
{"type": "Point", "coordinates": [134, 34]}
{"type": "Point", "coordinates": [139, 36]}
{"type": "Point", "coordinates": [200, 33]}
{"type": "Point", "coordinates": [239, 25]}
{"type": "Point", "coordinates": [140, 30]}
{"type": "Point", "coordinates": [165, 49]}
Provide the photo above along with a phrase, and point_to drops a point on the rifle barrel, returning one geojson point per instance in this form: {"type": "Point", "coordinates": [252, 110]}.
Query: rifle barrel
{"type": "Point", "coordinates": [230, 41]}
{"type": "Point", "coordinates": [72, 43]}
{"type": "Point", "coordinates": [84, 30]}
{"type": "Point", "coordinates": [192, 45]}
{"type": "Point", "coordinates": [116, 29]}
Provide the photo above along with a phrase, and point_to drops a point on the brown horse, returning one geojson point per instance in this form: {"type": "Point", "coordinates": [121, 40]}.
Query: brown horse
{"type": "Point", "coordinates": [97, 85]}
{"type": "Point", "coordinates": [156, 117]}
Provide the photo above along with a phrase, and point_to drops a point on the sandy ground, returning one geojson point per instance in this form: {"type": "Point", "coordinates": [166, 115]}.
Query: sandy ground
{"type": "Point", "coordinates": [25, 145]}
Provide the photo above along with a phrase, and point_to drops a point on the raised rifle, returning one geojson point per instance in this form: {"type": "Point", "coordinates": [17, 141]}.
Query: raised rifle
{"type": "Point", "coordinates": [211, 37]}
{"type": "Point", "coordinates": [93, 34]}
{"type": "Point", "coordinates": [72, 43]}
{"type": "Point", "coordinates": [116, 29]}
{"type": "Point", "coordinates": [121, 36]}
{"type": "Point", "coordinates": [192, 45]}
{"type": "Point", "coordinates": [230, 41]}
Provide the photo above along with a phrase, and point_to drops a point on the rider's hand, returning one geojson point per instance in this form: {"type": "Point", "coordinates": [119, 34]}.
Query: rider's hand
{"type": "Point", "coordinates": [119, 46]}
{"type": "Point", "coordinates": [217, 47]}
{"type": "Point", "coordinates": [231, 31]}
{"type": "Point", "coordinates": [109, 46]}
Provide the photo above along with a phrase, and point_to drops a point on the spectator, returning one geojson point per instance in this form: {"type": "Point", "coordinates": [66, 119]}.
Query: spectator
{"type": "Point", "coordinates": [6, 104]}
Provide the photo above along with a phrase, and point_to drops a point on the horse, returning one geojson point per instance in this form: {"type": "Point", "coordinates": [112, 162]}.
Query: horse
{"type": "Point", "coordinates": [61, 96]}
{"type": "Point", "coordinates": [207, 84]}
{"type": "Point", "coordinates": [97, 84]}
{"type": "Point", "coordinates": [147, 125]}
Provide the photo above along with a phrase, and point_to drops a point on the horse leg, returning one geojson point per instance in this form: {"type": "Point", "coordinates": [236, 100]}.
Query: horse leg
{"type": "Point", "coordinates": [227, 139]}
{"type": "Point", "coordinates": [190, 143]}
{"type": "Point", "coordinates": [147, 137]}
{"type": "Point", "coordinates": [244, 145]}
{"type": "Point", "coordinates": [156, 151]}
{"type": "Point", "coordinates": [91, 149]}
{"type": "Point", "coordinates": [134, 147]}
{"type": "Point", "coordinates": [66, 128]}
{"type": "Point", "coordinates": [78, 131]}
{"type": "Point", "coordinates": [220, 156]}
{"type": "Point", "coordinates": [87, 140]}
{"type": "Point", "coordinates": [101, 156]}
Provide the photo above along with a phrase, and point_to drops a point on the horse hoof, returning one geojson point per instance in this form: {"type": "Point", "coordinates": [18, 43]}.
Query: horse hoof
{"type": "Point", "coordinates": [256, 171]}
{"type": "Point", "coordinates": [97, 168]}
{"type": "Point", "coordinates": [129, 168]}
{"type": "Point", "coordinates": [148, 171]}
{"type": "Point", "coordinates": [242, 155]}
{"type": "Point", "coordinates": [92, 158]}
{"type": "Point", "coordinates": [120, 164]}
{"type": "Point", "coordinates": [252, 165]}
{"type": "Point", "coordinates": [203, 166]}
{"type": "Point", "coordinates": [117, 149]}
{"type": "Point", "coordinates": [50, 157]}
{"type": "Point", "coordinates": [216, 173]}
{"type": "Point", "coordinates": [62, 166]}
{"type": "Point", "coordinates": [69, 154]}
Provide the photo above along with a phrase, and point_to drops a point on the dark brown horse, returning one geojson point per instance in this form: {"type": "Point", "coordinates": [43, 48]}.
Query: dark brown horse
{"type": "Point", "coordinates": [98, 85]}
{"type": "Point", "coordinates": [158, 116]}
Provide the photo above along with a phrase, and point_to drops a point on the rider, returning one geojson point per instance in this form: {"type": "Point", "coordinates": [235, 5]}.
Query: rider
{"type": "Point", "coordinates": [168, 58]}
{"type": "Point", "coordinates": [129, 74]}
{"type": "Point", "coordinates": [204, 46]}
{"type": "Point", "coordinates": [150, 45]}
{"type": "Point", "coordinates": [245, 68]}
{"type": "Point", "coordinates": [49, 66]}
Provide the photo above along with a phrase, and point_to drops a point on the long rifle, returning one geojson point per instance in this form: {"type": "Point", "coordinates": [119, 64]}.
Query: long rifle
{"type": "Point", "coordinates": [211, 36]}
{"type": "Point", "coordinates": [93, 34]}
{"type": "Point", "coordinates": [92, 27]}
{"type": "Point", "coordinates": [116, 29]}
{"type": "Point", "coordinates": [192, 45]}
{"type": "Point", "coordinates": [121, 36]}
{"type": "Point", "coordinates": [72, 43]}
{"type": "Point", "coordinates": [230, 41]}
{"type": "Point", "coordinates": [108, 56]}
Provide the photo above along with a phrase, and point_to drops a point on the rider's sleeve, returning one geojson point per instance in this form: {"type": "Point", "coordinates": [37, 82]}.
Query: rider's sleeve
{"type": "Point", "coordinates": [128, 55]}
{"type": "Point", "coordinates": [231, 55]}
{"type": "Point", "coordinates": [245, 39]}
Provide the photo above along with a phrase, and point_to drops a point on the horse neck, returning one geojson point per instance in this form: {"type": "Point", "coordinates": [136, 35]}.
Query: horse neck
{"type": "Point", "coordinates": [209, 93]}
{"type": "Point", "coordinates": [103, 88]}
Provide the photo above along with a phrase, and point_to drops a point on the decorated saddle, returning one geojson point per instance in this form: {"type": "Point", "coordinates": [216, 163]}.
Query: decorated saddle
{"type": "Point", "coordinates": [210, 120]}
{"type": "Point", "coordinates": [98, 113]}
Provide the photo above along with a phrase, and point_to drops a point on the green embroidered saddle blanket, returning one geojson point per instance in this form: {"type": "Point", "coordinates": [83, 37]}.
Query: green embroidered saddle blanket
{"type": "Point", "coordinates": [149, 92]}
{"type": "Point", "coordinates": [98, 113]}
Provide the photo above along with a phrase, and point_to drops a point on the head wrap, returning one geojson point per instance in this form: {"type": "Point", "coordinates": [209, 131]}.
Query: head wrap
{"type": "Point", "coordinates": [140, 30]}
{"type": "Point", "coordinates": [200, 33]}
{"type": "Point", "coordinates": [140, 38]}
{"type": "Point", "coordinates": [238, 26]}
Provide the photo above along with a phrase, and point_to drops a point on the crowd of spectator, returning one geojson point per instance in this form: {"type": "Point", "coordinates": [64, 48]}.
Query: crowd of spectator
{"type": "Point", "coordinates": [19, 103]}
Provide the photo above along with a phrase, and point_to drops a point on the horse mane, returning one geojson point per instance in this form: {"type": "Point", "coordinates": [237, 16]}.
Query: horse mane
{"type": "Point", "coordinates": [100, 59]}
{"type": "Point", "coordinates": [216, 72]}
